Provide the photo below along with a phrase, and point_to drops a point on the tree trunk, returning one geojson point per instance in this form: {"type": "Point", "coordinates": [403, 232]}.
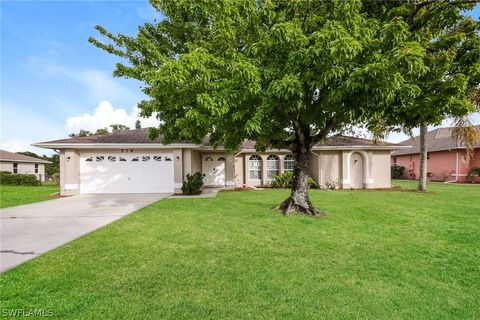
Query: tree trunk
{"type": "Point", "coordinates": [422, 179]}
{"type": "Point", "coordinates": [298, 201]}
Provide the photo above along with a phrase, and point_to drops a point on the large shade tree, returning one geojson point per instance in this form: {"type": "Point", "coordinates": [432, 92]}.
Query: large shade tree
{"type": "Point", "coordinates": [286, 74]}
{"type": "Point", "coordinates": [452, 60]}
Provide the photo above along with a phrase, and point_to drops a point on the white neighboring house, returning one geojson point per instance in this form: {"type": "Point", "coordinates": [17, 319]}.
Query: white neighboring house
{"type": "Point", "coordinates": [18, 163]}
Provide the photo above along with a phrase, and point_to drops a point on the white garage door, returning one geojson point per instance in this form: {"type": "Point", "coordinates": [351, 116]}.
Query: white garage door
{"type": "Point", "coordinates": [126, 173]}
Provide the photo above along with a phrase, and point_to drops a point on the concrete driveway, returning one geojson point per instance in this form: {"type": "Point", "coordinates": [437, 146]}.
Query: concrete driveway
{"type": "Point", "coordinates": [30, 230]}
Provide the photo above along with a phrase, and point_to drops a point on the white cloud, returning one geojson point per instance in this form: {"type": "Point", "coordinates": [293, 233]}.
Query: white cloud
{"type": "Point", "coordinates": [100, 85]}
{"type": "Point", "coordinates": [105, 115]}
{"type": "Point", "coordinates": [16, 145]}
{"type": "Point", "coordinates": [21, 126]}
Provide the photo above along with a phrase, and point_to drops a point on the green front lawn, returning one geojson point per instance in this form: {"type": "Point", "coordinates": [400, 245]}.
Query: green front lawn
{"type": "Point", "coordinates": [377, 255]}
{"type": "Point", "coordinates": [16, 195]}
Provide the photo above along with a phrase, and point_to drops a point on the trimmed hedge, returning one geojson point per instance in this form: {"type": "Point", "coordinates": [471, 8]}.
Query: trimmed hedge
{"type": "Point", "coordinates": [397, 171]}
{"type": "Point", "coordinates": [19, 179]}
{"type": "Point", "coordinates": [192, 183]}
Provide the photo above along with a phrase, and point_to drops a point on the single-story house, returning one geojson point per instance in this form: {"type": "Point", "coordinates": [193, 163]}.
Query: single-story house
{"type": "Point", "coordinates": [446, 159]}
{"type": "Point", "coordinates": [19, 163]}
{"type": "Point", "coordinates": [128, 162]}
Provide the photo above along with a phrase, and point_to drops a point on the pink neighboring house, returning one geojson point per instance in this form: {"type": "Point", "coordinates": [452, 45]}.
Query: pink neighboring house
{"type": "Point", "coordinates": [447, 161]}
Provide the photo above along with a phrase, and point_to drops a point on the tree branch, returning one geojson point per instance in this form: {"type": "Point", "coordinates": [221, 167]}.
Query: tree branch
{"type": "Point", "coordinates": [330, 124]}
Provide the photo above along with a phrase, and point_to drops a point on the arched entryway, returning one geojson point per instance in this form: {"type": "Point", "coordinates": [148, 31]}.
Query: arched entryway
{"type": "Point", "coordinates": [357, 170]}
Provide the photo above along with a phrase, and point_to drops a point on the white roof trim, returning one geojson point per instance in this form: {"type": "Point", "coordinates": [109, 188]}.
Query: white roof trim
{"type": "Point", "coordinates": [196, 146]}
{"type": "Point", "coordinates": [361, 147]}
{"type": "Point", "coordinates": [367, 147]}
{"type": "Point", "coordinates": [26, 161]}
{"type": "Point", "coordinates": [113, 145]}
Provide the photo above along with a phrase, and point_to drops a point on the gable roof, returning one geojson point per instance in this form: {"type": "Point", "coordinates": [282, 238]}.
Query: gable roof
{"type": "Point", "coordinates": [15, 157]}
{"type": "Point", "coordinates": [436, 140]}
{"type": "Point", "coordinates": [337, 141]}
{"type": "Point", "coordinates": [138, 138]}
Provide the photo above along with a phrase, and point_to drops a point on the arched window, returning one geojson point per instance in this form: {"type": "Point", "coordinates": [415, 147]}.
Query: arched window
{"type": "Point", "coordinates": [221, 159]}
{"type": "Point", "coordinates": [255, 167]}
{"type": "Point", "coordinates": [272, 167]}
{"type": "Point", "coordinates": [288, 162]}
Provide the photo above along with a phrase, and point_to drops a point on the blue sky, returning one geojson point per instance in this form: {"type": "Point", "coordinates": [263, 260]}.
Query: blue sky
{"type": "Point", "coordinates": [53, 82]}
{"type": "Point", "coordinates": [52, 79]}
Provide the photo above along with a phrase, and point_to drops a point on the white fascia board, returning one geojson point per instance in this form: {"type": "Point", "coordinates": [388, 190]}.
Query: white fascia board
{"type": "Point", "coordinates": [360, 147]}
{"type": "Point", "coordinates": [25, 161]}
{"type": "Point", "coordinates": [266, 151]}
{"type": "Point", "coordinates": [193, 146]}
{"type": "Point", "coordinates": [334, 148]}
{"type": "Point", "coordinates": [113, 145]}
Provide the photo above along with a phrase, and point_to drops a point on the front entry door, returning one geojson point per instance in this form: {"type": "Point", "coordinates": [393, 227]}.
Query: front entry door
{"type": "Point", "coordinates": [213, 167]}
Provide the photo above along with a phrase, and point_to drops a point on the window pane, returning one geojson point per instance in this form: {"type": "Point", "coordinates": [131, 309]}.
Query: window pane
{"type": "Point", "coordinates": [255, 167]}
{"type": "Point", "coordinates": [289, 162]}
{"type": "Point", "coordinates": [255, 175]}
{"type": "Point", "coordinates": [272, 164]}
{"type": "Point", "coordinates": [271, 174]}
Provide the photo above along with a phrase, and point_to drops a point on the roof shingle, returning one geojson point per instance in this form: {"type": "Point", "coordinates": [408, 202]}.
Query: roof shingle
{"type": "Point", "coordinates": [139, 136]}
{"type": "Point", "coordinates": [15, 157]}
{"type": "Point", "coordinates": [436, 140]}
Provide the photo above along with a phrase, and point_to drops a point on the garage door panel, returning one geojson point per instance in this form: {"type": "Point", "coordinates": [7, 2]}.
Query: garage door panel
{"type": "Point", "coordinates": [126, 173]}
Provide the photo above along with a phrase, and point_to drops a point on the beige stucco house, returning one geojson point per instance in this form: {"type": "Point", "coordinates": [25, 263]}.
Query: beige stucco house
{"type": "Point", "coordinates": [19, 163]}
{"type": "Point", "coordinates": [127, 162]}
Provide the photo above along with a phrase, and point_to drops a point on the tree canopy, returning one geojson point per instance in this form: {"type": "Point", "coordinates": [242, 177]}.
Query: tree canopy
{"type": "Point", "coordinates": [452, 59]}
{"type": "Point", "coordinates": [450, 84]}
{"type": "Point", "coordinates": [284, 73]}
{"type": "Point", "coordinates": [264, 66]}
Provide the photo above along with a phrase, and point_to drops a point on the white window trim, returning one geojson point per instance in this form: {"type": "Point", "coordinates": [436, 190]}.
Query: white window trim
{"type": "Point", "coordinates": [276, 162]}
{"type": "Point", "coordinates": [258, 159]}
{"type": "Point", "coordinates": [287, 160]}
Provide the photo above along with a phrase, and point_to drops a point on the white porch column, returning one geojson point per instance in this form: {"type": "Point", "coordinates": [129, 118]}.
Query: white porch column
{"type": "Point", "coordinates": [281, 167]}
{"type": "Point", "coordinates": [264, 169]}
{"type": "Point", "coordinates": [345, 183]}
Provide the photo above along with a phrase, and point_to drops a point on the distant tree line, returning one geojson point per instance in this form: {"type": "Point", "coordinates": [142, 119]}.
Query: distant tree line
{"type": "Point", "coordinates": [113, 129]}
